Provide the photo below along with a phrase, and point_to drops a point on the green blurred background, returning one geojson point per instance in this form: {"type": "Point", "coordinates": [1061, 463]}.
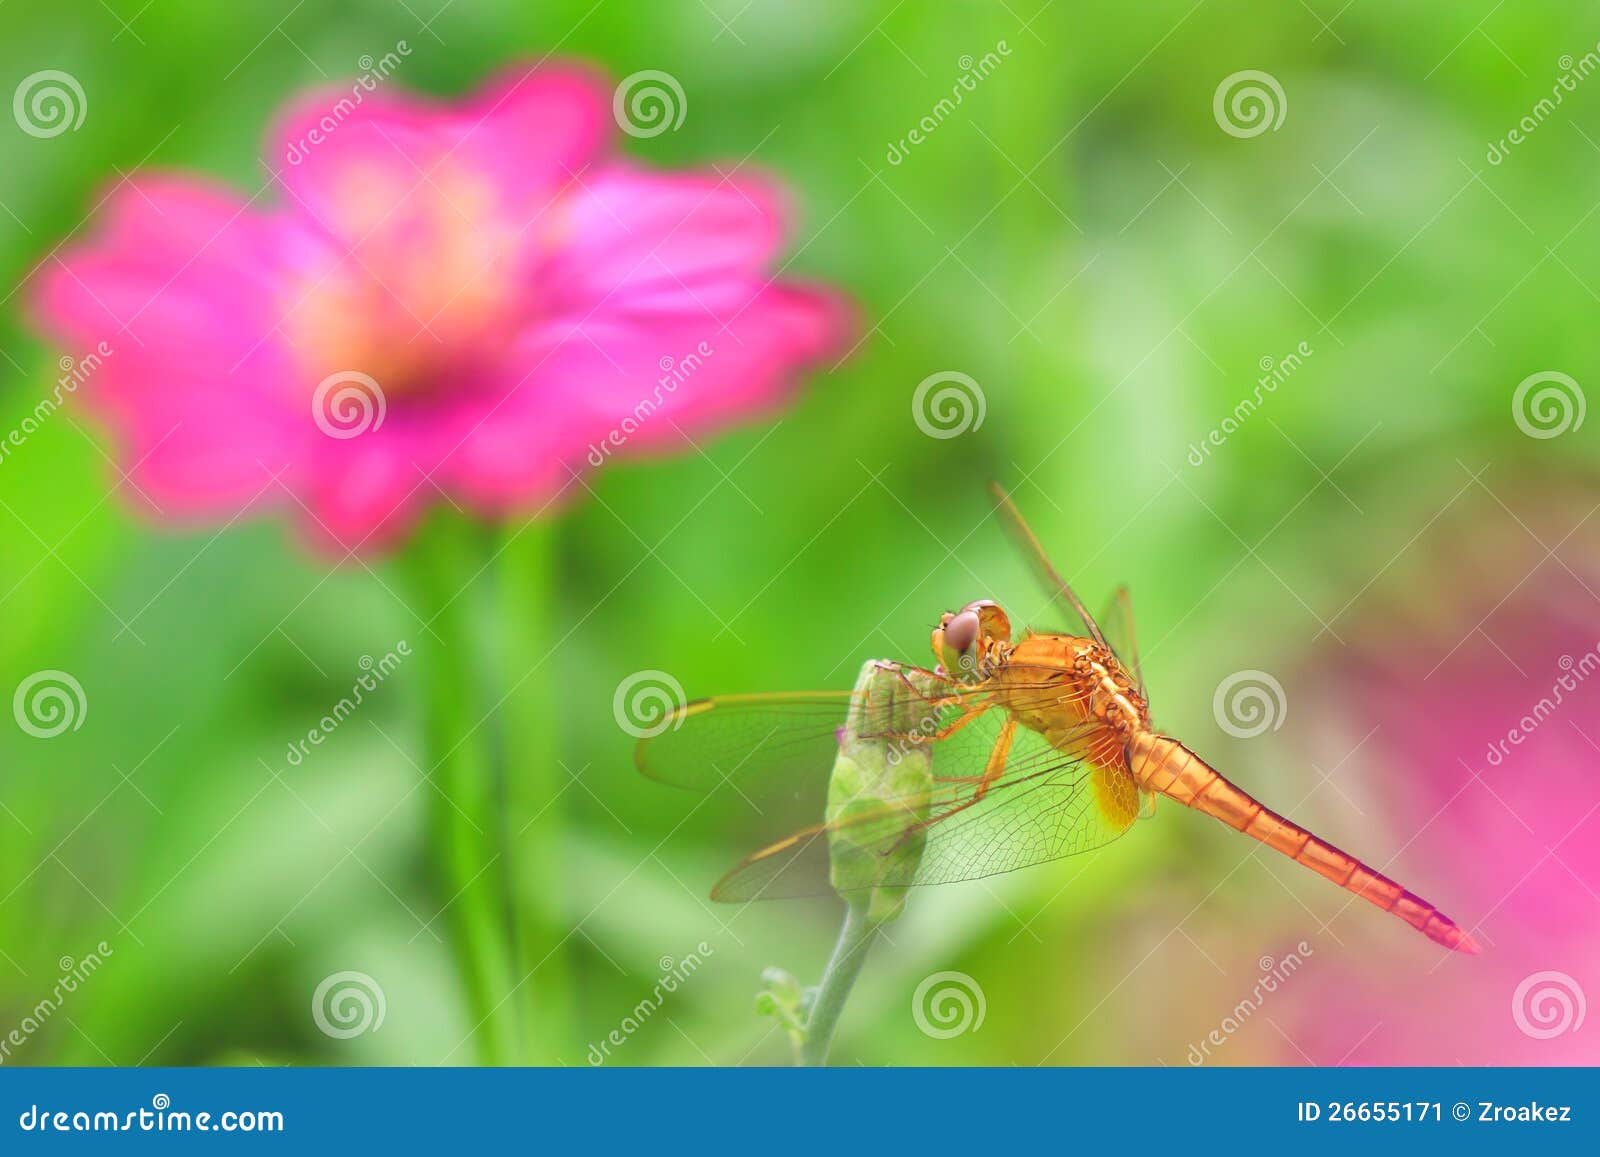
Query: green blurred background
{"type": "Point", "coordinates": [1083, 239]}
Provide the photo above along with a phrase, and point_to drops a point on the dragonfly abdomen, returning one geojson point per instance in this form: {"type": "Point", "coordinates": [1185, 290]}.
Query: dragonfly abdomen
{"type": "Point", "coordinates": [1164, 765]}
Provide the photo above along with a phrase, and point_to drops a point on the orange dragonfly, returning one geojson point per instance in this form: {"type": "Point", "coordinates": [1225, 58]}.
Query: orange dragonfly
{"type": "Point", "coordinates": [1041, 748]}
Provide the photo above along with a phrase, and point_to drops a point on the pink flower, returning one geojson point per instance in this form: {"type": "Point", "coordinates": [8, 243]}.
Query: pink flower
{"type": "Point", "coordinates": [1485, 693]}
{"type": "Point", "coordinates": [473, 298]}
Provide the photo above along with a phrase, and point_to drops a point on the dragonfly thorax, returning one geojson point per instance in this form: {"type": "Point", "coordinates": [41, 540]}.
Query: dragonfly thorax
{"type": "Point", "coordinates": [1109, 692]}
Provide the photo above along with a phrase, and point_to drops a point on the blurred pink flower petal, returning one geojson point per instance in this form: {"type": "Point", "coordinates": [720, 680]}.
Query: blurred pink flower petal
{"type": "Point", "coordinates": [472, 298]}
{"type": "Point", "coordinates": [1485, 692]}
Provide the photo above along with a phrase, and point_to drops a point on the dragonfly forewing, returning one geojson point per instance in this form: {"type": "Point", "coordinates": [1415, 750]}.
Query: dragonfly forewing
{"type": "Point", "coordinates": [980, 814]}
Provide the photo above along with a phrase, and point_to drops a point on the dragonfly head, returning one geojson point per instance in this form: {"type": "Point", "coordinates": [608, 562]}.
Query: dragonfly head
{"type": "Point", "coordinates": [966, 641]}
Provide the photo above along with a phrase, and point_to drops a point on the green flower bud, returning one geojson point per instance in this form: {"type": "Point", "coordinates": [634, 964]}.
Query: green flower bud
{"type": "Point", "coordinates": [882, 786]}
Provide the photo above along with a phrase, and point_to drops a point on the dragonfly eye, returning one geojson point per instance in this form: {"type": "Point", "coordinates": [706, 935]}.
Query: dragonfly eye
{"type": "Point", "coordinates": [961, 631]}
{"type": "Point", "coordinates": [992, 621]}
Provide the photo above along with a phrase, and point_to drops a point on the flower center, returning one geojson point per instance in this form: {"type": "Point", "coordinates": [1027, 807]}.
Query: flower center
{"type": "Point", "coordinates": [422, 301]}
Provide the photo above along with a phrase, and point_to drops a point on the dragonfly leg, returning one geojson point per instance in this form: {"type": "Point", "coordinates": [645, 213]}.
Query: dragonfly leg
{"type": "Point", "coordinates": [902, 673]}
{"type": "Point", "coordinates": [997, 761]}
{"type": "Point", "coordinates": [938, 702]}
{"type": "Point", "coordinates": [953, 726]}
{"type": "Point", "coordinates": [992, 771]}
{"type": "Point", "coordinates": [926, 736]}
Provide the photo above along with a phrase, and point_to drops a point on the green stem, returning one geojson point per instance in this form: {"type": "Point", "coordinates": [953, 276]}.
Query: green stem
{"type": "Point", "coordinates": [466, 809]}
{"type": "Point", "coordinates": [855, 938]}
{"type": "Point", "coordinates": [529, 635]}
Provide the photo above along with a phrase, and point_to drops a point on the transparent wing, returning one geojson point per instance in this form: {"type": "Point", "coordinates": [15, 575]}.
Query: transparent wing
{"type": "Point", "coordinates": [1055, 586]}
{"type": "Point", "coordinates": [1117, 622]}
{"type": "Point", "coordinates": [765, 744]}
{"type": "Point", "coordinates": [1114, 628]}
{"type": "Point", "coordinates": [758, 743]}
{"type": "Point", "coordinates": [777, 744]}
{"type": "Point", "coordinates": [982, 813]}
{"type": "Point", "coordinates": [1046, 806]}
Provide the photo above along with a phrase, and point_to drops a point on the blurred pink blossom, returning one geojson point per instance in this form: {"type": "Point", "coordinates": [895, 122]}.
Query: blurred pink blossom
{"type": "Point", "coordinates": [471, 298]}
{"type": "Point", "coordinates": [1486, 698]}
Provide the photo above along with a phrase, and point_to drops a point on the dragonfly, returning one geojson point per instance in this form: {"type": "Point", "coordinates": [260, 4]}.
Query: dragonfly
{"type": "Point", "coordinates": [1041, 747]}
